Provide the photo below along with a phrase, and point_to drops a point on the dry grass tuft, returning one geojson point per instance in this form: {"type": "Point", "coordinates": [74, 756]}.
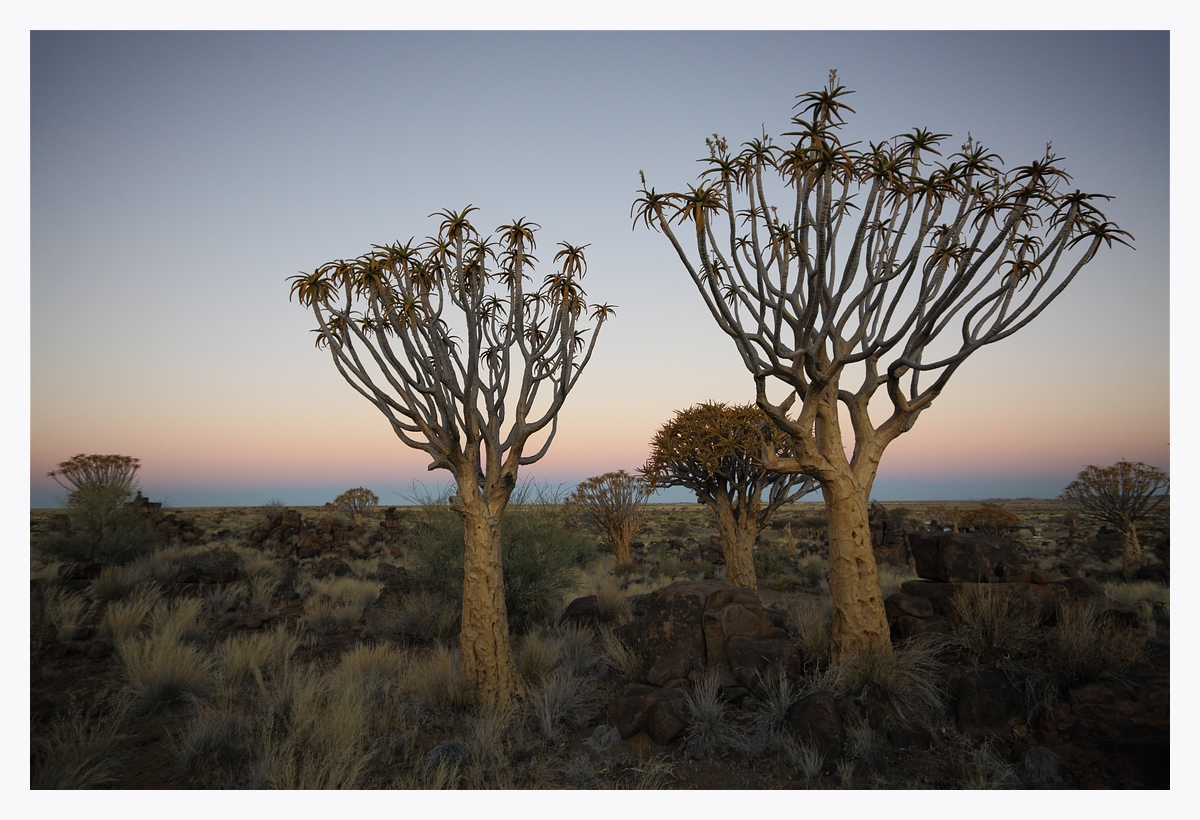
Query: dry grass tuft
{"type": "Point", "coordinates": [437, 680]}
{"type": "Point", "coordinates": [246, 658]}
{"type": "Point", "coordinates": [164, 671]}
{"type": "Point", "coordinates": [67, 612]}
{"type": "Point", "coordinates": [611, 605]}
{"type": "Point", "coordinates": [117, 581]}
{"type": "Point", "coordinates": [562, 698]}
{"type": "Point", "coordinates": [539, 654]}
{"type": "Point", "coordinates": [179, 618]}
{"type": "Point", "coordinates": [76, 752]}
{"type": "Point", "coordinates": [124, 618]}
{"type": "Point", "coordinates": [339, 601]}
{"type": "Point", "coordinates": [991, 625]}
{"type": "Point", "coordinates": [709, 731]}
{"type": "Point", "coordinates": [1086, 646]}
{"type": "Point", "coordinates": [810, 623]}
{"type": "Point", "coordinates": [619, 656]}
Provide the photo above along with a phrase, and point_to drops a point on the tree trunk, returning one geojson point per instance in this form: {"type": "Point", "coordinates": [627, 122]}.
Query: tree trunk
{"type": "Point", "coordinates": [859, 621]}
{"type": "Point", "coordinates": [621, 550]}
{"type": "Point", "coordinates": [488, 667]}
{"type": "Point", "coordinates": [1132, 558]}
{"type": "Point", "coordinates": [737, 544]}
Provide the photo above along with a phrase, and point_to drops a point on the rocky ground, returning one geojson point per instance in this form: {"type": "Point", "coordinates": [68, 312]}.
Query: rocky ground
{"type": "Point", "coordinates": [725, 689]}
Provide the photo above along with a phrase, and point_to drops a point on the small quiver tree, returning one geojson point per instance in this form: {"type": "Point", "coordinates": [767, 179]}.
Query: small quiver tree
{"type": "Point", "coordinates": [882, 268]}
{"type": "Point", "coordinates": [356, 503]}
{"type": "Point", "coordinates": [612, 507]}
{"type": "Point", "coordinates": [471, 366]}
{"type": "Point", "coordinates": [103, 525]}
{"type": "Point", "coordinates": [1121, 496]}
{"type": "Point", "coordinates": [714, 450]}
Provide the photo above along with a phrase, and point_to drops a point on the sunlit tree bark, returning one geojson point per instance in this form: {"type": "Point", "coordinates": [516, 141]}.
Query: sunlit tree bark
{"type": "Point", "coordinates": [466, 364]}
{"type": "Point", "coordinates": [879, 271]}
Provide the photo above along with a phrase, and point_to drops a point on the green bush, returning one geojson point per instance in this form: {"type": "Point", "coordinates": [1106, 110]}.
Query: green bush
{"type": "Point", "coordinates": [101, 523]}
{"type": "Point", "coordinates": [542, 559]}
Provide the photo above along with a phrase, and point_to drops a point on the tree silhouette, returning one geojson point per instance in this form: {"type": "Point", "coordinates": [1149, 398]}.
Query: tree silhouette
{"type": "Point", "coordinates": [880, 271]}
{"type": "Point", "coordinates": [470, 366]}
{"type": "Point", "coordinates": [612, 506]}
{"type": "Point", "coordinates": [1121, 496]}
{"type": "Point", "coordinates": [714, 450]}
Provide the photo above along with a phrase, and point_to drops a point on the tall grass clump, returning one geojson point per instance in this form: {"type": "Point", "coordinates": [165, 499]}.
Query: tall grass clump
{"type": "Point", "coordinates": [68, 612]}
{"type": "Point", "coordinates": [709, 731]}
{"type": "Point", "coordinates": [126, 617]}
{"type": "Point", "coordinates": [436, 679]}
{"type": "Point", "coordinates": [619, 656]}
{"type": "Point", "coordinates": [1085, 646]}
{"type": "Point", "coordinates": [76, 752]}
{"type": "Point", "coordinates": [179, 618]}
{"type": "Point", "coordinates": [339, 601]}
{"type": "Point", "coordinates": [542, 558]}
{"type": "Point", "coordinates": [561, 699]}
{"type": "Point", "coordinates": [907, 680]}
{"type": "Point", "coordinates": [539, 653]}
{"type": "Point", "coordinates": [116, 581]}
{"type": "Point", "coordinates": [246, 658]}
{"type": "Point", "coordinates": [215, 746]}
{"type": "Point", "coordinates": [163, 671]}
{"type": "Point", "coordinates": [809, 621]}
{"type": "Point", "coordinates": [992, 625]}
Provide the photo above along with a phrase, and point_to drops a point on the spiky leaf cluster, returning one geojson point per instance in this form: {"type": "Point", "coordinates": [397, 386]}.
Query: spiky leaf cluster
{"type": "Point", "coordinates": [452, 342]}
{"type": "Point", "coordinates": [817, 253]}
{"type": "Point", "coordinates": [715, 450]}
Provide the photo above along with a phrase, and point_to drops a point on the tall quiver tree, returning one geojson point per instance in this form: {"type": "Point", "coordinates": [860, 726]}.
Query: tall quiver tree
{"type": "Point", "coordinates": [469, 366]}
{"type": "Point", "coordinates": [880, 272]}
{"type": "Point", "coordinates": [714, 450]}
{"type": "Point", "coordinates": [1121, 496]}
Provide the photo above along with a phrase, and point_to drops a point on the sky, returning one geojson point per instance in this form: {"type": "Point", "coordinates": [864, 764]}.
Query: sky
{"type": "Point", "coordinates": [177, 179]}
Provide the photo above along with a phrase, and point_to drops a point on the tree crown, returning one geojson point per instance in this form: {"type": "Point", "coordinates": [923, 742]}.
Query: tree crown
{"type": "Point", "coordinates": [1121, 494]}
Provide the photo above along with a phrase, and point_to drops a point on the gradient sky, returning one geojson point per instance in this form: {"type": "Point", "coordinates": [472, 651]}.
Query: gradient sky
{"type": "Point", "coordinates": [178, 179]}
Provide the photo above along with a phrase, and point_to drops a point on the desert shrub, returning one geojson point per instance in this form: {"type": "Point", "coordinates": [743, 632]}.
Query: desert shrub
{"type": "Point", "coordinates": [992, 625]}
{"type": "Point", "coordinates": [611, 605]}
{"type": "Point", "coordinates": [124, 618]}
{"type": "Point", "coordinates": [907, 680]}
{"type": "Point", "coordinates": [812, 572]}
{"type": "Point", "coordinates": [101, 524]}
{"type": "Point", "coordinates": [215, 746]}
{"type": "Point", "coordinates": [809, 621]}
{"type": "Point", "coordinates": [561, 698]}
{"type": "Point", "coordinates": [769, 725]}
{"type": "Point", "coordinates": [989, 519]}
{"type": "Point", "coordinates": [437, 680]}
{"type": "Point", "coordinates": [708, 731]}
{"type": "Point", "coordinates": [578, 652]}
{"type": "Point", "coordinates": [179, 618]}
{"type": "Point", "coordinates": [246, 658]}
{"type": "Point", "coordinates": [419, 619]}
{"type": "Point", "coordinates": [163, 671]}
{"type": "Point", "coordinates": [339, 601]}
{"type": "Point", "coordinates": [67, 612]}
{"type": "Point", "coordinates": [356, 503]}
{"type": "Point", "coordinates": [772, 558]}
{"type": "Point", "coordinates": [668, 568]}
{"type": "Point", "coordinates": [76, 752]}
{"type": "Point", "coordinates": [116, 581]}
{"type": "Point", "coordinates": [1085, 646]}
{"type": "Point", "coordinates": [539, 653]}
{"type": "Point", "coordinates": [619, 656]}
{"type": "Point", "coordinates": [225, 598]}
{"type": "Point", "coordinates": [542, 560]}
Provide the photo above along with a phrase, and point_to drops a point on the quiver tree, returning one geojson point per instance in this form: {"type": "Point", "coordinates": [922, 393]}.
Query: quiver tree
{"type": "Point", "coordinates": [1121, 496]}
{"type": "Point", "coordinates": [356, 503]}
{"type": "Point", "coordinates": [845, 273]}
{"type": "Point", "coordinates": [470, 364]}
{"type": "Point", "coordinates": [610, 506]}
{"type": "Point", "coordinates": [104, 525]}
{"type": "Point", "coordinates": [713, 450]}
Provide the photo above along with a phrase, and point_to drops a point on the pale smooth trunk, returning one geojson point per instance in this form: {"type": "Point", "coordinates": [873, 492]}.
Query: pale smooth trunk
{"type": "Point", "coordinates": [488, 666]}
{"type": "Point", "coordinates": [1132, 558]}
{"type": "Point", "coordinates": [859, 620]}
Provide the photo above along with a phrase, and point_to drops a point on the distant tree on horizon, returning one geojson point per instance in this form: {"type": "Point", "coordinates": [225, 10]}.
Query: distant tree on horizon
{"type": "Point", "coordinates": [880, 271]}
{"type": "Point", "coordinates": [469, 366]}
{"type": "Point", "coordinates": [1122, 496]}
{"type": "Point", "coordinates": [714, 450]}
{"type": "Point", "coordinates": [612, 506]}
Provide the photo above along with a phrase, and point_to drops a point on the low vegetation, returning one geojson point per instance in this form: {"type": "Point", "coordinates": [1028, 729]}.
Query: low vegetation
{"type": "Point", "coordinates": [304, 673]}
